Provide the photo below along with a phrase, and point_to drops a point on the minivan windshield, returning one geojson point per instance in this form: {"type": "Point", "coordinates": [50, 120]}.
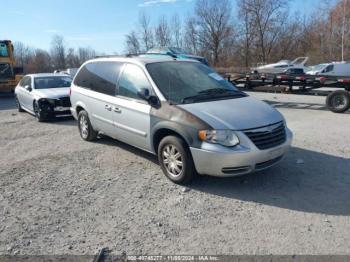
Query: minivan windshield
{"type": "Point", "coordinates": [190, 82]}
{"type": "Point", "coordinates": [52, 82]}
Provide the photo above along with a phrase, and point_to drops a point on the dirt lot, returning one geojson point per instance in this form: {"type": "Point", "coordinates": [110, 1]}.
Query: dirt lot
{"type": "Point", "coordinates": [61, 195]}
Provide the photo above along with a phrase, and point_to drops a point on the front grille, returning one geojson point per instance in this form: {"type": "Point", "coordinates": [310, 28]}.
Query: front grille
{"type": "Point", "coordinates": [63, 101]}
{"type": "Point", "coordinates": [267, 137]}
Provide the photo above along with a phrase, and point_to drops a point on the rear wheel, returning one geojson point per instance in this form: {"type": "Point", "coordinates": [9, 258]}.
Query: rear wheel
{"type": "Point", "coordinates": [85, 128]}
{"type": "Point", "coordinates": [338, 101]}
{"type": "Point", "coordinates": [18, 104]}
{"type": "Point", "coordinates": [175, 160]}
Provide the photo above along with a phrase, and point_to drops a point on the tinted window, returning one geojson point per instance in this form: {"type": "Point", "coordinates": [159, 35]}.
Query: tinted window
{"type": "Point", "coordinates": [3, 50]}
{"type": "Point", "coordinates": [52, 82]}
{"type": "Point", "coordinates": [295, 71]}
{"type": "Point", "coordinates": [329, 68]}
{"type": "Point", "coordinates": [131, 81]}
{"type": "Point", "coordinates": [99, 76]}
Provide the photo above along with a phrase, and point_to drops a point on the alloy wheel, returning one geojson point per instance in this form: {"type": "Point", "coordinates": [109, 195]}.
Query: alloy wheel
{"type": "Point", "coordinates": [172, 160]}
{"type": "Point", "coordinates": [84, 127]}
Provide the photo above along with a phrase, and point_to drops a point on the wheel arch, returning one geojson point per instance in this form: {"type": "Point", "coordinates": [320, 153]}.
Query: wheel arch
{"type": "Point", "coordinates": [162, 131]}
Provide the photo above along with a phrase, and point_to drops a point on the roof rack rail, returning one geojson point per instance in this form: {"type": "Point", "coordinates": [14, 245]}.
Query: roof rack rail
{"type": "Point", "coordinates": [134, 55]}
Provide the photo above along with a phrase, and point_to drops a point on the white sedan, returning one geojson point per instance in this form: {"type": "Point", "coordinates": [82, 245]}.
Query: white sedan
{"type": "Point", "coordinates": [44, 95]}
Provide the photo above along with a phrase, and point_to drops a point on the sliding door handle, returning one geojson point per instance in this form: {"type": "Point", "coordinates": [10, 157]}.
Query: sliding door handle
{"type": "Point", "coordinates": [117, 110]}
{"type": "Point", "coordinates": [108, 107]}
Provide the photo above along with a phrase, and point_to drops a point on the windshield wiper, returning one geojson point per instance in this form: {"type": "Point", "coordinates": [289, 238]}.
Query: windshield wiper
{"type": "Point", "coordinates": [216, 91]}
{"type": "Point", "coordinates": [212, 94]}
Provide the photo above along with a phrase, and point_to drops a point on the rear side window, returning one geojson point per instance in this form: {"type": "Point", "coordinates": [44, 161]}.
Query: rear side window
{"type": "Point", "coordinates": [132, 81]}
{"type": "Point", "coordinates": [99, 76]}
{"type": "Point", "coordinates": [328, 68]}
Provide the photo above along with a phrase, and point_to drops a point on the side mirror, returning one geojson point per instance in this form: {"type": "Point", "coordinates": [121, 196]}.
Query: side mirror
{"type": "Point", "coordinates": [143, 93]}
{"type": "Point", "coordinates": [151, 99]}
{"type": "Point", "coordinates": [28, 88]}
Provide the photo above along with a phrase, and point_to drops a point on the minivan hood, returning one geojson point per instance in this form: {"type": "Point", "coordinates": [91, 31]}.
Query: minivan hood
{"type": "Point", "coordinates": [235, 114]}
{"type": "Point", "coordinates": [52, 92]}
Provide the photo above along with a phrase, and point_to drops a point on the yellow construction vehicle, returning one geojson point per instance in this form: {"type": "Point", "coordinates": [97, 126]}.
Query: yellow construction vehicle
{"type": "Point", "coordinates": [10, 75]}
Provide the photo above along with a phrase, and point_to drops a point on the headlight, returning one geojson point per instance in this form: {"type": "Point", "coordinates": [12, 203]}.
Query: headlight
{"type": "Point", "coordinates": [222, 137]}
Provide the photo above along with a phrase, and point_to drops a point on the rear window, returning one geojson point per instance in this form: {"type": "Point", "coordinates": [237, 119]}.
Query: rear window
{"type": "Point", "coordinates": [99, 77]}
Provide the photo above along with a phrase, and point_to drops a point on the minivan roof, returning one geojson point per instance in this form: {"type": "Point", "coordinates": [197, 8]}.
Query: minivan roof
{"type": "Point", "coordinates": [142, 59]}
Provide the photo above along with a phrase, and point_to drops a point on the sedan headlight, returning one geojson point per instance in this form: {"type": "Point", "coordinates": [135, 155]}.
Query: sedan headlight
{"type": "Point", "coordinates": [222, 137]}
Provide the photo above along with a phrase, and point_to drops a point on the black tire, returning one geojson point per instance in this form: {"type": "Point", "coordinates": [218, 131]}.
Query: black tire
{"type": "Point", "coordinates": [169, 162]}
{"type": "Point", "coordinates": [86, 131]}
{"type": "Point", "coordinates": [18, 104]}
{"type": "Point", "coordinates": [338, 101]}
{"type": "Point", "coordinates": [39, 115]}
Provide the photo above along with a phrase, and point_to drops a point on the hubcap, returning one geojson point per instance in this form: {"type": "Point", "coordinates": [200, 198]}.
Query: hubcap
{"type": "Point", "coordinates": [172, 160]}
{"type": "Point", "coordinates": [84, 128]}
{"type": "Point", "coordinates": [338, 101]}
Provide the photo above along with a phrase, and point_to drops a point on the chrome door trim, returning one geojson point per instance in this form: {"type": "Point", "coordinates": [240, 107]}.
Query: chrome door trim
{"type": "Point", "coordinates": [102, 119]}
{"type": "Point", "coordinates": [130, 129]}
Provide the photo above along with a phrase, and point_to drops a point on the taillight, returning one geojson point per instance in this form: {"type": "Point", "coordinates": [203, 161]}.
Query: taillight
{"type": "Point", "coordinates": [323, 79]}
{"type": "Point", "coordinates": [282, 77]}
{"type": "Point", "coordinates": [346, 81]}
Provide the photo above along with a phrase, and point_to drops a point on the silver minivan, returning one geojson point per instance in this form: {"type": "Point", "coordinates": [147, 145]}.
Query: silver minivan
{"type": "Point", "coordinates": [181, 110]}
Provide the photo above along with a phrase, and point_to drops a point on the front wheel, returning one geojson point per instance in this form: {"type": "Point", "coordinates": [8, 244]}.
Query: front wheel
{"type": "Point", "coordinates": [338, 101]}
{"type": "Point", "coordinates": [85, 128]}
{"type": "Point", "coordinates": [175, 160]}
{"type": "Point", "coordinates": [39, 114]}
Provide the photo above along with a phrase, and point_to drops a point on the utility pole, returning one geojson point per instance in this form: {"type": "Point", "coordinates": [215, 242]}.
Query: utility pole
{"type": "Point", "coordinates": [343, 31]}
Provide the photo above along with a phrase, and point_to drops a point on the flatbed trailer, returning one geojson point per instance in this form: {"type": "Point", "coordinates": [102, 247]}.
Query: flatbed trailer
{"type": "Point", "coordinates": [337, 101]}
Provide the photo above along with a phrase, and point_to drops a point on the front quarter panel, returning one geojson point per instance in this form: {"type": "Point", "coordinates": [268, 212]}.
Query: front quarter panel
{"type": "Point", "coordinates": [174, 118]}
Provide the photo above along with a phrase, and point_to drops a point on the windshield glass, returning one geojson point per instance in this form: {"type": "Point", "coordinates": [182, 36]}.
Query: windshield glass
{"type": "Point", "coordinates": [180, 80]}
{"type": "Point", "coordinates": [52, 82]}
{"type": "Point", "coordinates": [283, 62]}
{"type": "Point", "coordinates": [5, 71]}
{"type": "Point", "coordinates": [317, 68]}
{"type": "Point", "coordinates": [3, 50]}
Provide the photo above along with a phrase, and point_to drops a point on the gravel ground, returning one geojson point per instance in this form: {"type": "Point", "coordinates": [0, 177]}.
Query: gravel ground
{"type": "Point", "coordinates": [61, 195]}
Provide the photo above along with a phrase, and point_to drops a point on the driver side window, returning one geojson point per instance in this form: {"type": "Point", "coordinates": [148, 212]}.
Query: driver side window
{"type": "Point", "coordinates": [133, 79]}
{"type": "Point", "coordinates": [26, 81]}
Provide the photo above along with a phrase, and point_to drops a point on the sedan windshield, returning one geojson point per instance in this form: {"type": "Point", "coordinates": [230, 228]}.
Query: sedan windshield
{"type": "Point", "coordinates": [189, 82]}
{"type": "Point", "coordinates": [52, 82]}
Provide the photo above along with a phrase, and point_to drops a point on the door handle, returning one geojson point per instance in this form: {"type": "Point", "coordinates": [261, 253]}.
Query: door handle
{"type": "Point", "coordinates": [117, 110]}
{"type": "Point", "coordinates": [108, 107]}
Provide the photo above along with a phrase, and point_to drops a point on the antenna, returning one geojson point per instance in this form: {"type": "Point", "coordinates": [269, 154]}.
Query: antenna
{"type": "Point", "coordinates": [343, 31]}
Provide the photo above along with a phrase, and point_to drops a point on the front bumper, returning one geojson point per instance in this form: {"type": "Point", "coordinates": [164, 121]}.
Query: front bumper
{"type": "Point", "coordinates": [217, 160]}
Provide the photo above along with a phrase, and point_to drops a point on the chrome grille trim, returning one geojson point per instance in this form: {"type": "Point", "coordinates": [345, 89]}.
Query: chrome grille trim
{"type": "Point", "coordinates": [268, 136]}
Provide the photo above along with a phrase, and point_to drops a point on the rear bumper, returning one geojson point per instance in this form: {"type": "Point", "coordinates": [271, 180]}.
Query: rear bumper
{"type": "Point", "coordinates": [216, 160]}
